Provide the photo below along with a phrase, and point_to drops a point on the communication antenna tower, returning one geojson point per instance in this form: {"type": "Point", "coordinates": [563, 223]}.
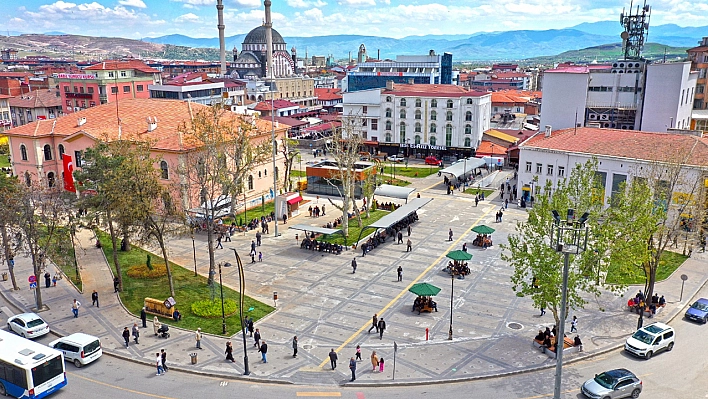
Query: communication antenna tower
{"type": "Point", "coordinates": [636, 30]}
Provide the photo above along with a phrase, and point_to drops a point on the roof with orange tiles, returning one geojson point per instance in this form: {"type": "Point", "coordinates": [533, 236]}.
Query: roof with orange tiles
{"type": "Point", "coordinates": [697, 49]}
{"type": "Point", "coordinates": [46, 98]}
{"type": "Point", "coordinates": [647, 146]}
{"type": "Point", "coordinates": [114, 65]}
{"type": "Point", "coordinates": [326, 94]}
{"type": "Point", "coordinates": [433, 90]}
{"type": "Point", "coordinates": [102, 124]}
{"type": "Point", "coordinates": [277, 104]}
{"type": "Point", "coordinates": [487, 147]}
{"type": "Point", "coordinates": [515, 96]}
{"type": "Point", "coordinates": [4, 96]}
{"type": "Point", "coordinates": [507, 75]}
{"type": "Point", "coordinates": [16, 74]}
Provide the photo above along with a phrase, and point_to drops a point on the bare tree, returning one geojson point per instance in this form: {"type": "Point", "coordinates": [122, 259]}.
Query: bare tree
{"type": "Point", "coordinates": [291, 153]}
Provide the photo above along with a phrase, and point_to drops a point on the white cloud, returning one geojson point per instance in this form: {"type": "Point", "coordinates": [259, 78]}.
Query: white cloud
{"type": "Point", "coordinates": [133, 3]}
{"type": "Point", "coordinates": [196, 3]}
{"type": "Point", "coordinates": [187, 18]}
{"type": "Point", "coordinates": [248, 3]}
{"type": "Point", "coordinates": [357, 2]}
{"type": "Point", "coordinates": [305, 3]}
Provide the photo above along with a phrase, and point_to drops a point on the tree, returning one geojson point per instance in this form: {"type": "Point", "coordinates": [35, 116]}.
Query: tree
{"type": "Point", "coordinates": [9, 202]}
{"type": "Point", "coordinates": [537, 266]}
{"type": "Point", "coordinates": [291, 153]}
{"type": "Point", "coordinates": [223, 149]}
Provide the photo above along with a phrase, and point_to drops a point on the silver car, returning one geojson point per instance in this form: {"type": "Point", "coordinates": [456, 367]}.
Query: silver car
{"type": "Point", "coordinates": [619, 383]}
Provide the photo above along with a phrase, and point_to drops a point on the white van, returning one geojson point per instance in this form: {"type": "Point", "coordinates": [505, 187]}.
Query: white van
{"type": "Point", "coordinates": [80, 348]}
{"type": "Point", "coordinates": [650, 339]}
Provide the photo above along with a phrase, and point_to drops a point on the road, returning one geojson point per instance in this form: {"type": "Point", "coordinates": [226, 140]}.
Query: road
{"type": "Point", "coordinates": [678, 374]}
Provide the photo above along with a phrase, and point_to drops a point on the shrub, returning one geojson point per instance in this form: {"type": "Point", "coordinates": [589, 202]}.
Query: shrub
{"type": "Point", "coordinates": [209, 308]}
{"type": "Point", "coordinates": [144, 271]}
{"type": "Point", "coordinates": [149, 262]}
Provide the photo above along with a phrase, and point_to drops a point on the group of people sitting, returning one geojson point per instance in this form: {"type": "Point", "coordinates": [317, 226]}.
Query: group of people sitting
{"type": "Point", "coordinates": [386, 206]}
{"type": "Point", "coordinates": [321, 246]}
{"type": "Point", "coordinates": [176, 315]}
{"type": "Point", "coordinates": [638, 303]}
{"type": "Point", "coordinates": [483, 240]}
{"type": "Point", "coordinates": [547, 339]}
{"type": "Point", "coordinates": [457, 269]}
{"type": "Point", "coordinates": [424, 303]}
{"type": "Point", "coordinates": [374, 241]}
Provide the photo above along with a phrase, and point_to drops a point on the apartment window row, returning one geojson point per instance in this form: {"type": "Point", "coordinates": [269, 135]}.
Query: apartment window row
{"type": "Point", "coordinates": [549, 169]}
{"type": "Point", "coordinates": [600, 88]}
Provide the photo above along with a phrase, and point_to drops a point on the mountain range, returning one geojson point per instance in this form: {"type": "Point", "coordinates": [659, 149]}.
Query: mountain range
{"type": "Point", "coordinates": [483, 46]}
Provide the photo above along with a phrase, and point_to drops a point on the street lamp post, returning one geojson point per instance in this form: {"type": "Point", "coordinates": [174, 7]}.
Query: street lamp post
{"type": "Point", "coordinates": [241, 289]}
{"type": "Point", "coordinates": [570, 238]}
{"type": "Point", "coordinates": [452, 293]}
{"type": "Point", "coordinates": [194, 254]}
{"type": "Point", "coordinates": [221, 288]}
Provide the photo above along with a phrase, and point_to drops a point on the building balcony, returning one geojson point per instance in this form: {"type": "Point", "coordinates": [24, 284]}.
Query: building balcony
{"type": "Point", "coordinates": [79, 95]}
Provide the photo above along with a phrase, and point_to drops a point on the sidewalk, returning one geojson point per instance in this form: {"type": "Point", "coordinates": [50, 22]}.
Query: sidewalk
{"type": "Point", "coordinates": [328, 307]}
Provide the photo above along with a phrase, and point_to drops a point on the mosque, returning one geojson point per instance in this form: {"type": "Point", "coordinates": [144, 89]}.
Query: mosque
{"type": "Point", "coordinates": [251, 62]}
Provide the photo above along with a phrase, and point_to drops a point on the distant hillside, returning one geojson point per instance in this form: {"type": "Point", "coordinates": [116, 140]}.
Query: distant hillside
{"type": "Point", "coordinates": [609, 52]}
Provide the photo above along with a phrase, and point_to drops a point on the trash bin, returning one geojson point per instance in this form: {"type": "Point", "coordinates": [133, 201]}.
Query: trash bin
{"type": "Point", "coordinates": [4, 276]}
{"type": "Point", "coordinates": [194, 357]}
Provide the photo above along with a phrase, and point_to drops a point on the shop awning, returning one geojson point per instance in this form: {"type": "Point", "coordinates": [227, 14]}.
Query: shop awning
{"type": "Point", "coordinates": [315, 229]}
{"type": "Point", "coordinates": [387, 190]}
{"type": "Point", "coordinates": [294, 200]}
{"type": "Point", "coordinates": [462, 167]}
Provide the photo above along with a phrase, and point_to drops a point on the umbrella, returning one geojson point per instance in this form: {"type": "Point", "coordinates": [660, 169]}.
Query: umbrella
{"type": "Point", "coordinates": [459, 255]}
{"type": "Point", "coordinates": [482, 229]}
{"type": "Point", "coordinates": [424, 289]}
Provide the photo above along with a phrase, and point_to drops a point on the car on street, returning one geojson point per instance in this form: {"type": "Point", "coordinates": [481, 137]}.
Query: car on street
{"type": "Point", "coordinates": [79, 348]}
{"type": "Point", "coordinates": [396, 158]}
{"type": "Point", "coordinates": [612, 384]}
{"type": "Point", "coordinates": [27, 325]}
{"type": "Point", "coordinates": [698, 311]}
{"type": "Point", "coordinates": [651, 339]}
{"type": "Point", "coordinates": [433, 161]}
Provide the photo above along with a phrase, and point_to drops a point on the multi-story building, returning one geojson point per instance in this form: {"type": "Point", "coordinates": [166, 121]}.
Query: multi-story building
{"type": "Point", "coordinates": [499, 80]}
{"type": "Point", "coordinates": [421, 69]}
{"type": "Point", "coordinates": [106, 82]}
{"type": "Point", "coordinates": [699, 63]}
{"type": "Point", "coordinates": [36, 105]}
{"type": "Point", "coordinates": [421, 119]}
{"type": "Point", "coordinates": [626, 95]}
{"type": "Point", "coordinates": [329, 99]}
{"type": "Point", "coordinates": [297, 89]}
{"type": "Point", "coordinates": [198, 88]}
{"type": "Point", "coordinates": [5, 121]}
{"type": "Point", "coordinates": [8, 54]}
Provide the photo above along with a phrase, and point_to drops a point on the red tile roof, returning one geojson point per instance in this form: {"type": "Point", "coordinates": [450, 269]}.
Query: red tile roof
{"type": "Point", "coordinates": [433, 90]}
{"type": "Point", "coordinates": [277, 104]}
{"type": "Point", "coordinates": [292, 122]}
{"type": "Point", "coordinates": [323, 127]}
{"type": "Point", "coordinates": [37, 99]}
{"type": "Point", "coordinates": [648, 146]}
{"type": "Point", "coordinates": [489, 148]}
{"type": "Point", "coordinates": [326, 94]}
{"type": "Point", "coordinates": [114, 65]}
{"type": "Point", "coordinates": [697, 49]}
{"type": "Point", "coordinates": [101, 122]}
{"type": "Point", "coordinates": [514, 96]}
{"type": "Point", "coordinates": [4, 96]}
{"type": "Point", "coordinates": [16, 74]}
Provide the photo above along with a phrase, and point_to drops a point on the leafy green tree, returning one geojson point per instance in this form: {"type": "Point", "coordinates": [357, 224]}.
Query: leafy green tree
{"type": "Point", "coordinates": [9, 202]}
{"type": "Point", "coordinates": [291, 153]}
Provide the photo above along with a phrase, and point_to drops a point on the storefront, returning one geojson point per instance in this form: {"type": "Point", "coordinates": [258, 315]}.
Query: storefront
{"type": "Point", "coordinates": [447, 154]}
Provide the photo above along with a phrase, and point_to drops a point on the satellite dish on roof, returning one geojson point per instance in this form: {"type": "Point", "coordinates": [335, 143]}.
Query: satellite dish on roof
{"type": "Point", "coordinates": [624, 35]}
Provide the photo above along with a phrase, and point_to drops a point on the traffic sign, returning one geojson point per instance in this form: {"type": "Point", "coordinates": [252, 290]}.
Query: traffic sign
{"type": "Point", "coordinates": [33, 285]}
{"type": "Point", "coordinates": [32, 279]}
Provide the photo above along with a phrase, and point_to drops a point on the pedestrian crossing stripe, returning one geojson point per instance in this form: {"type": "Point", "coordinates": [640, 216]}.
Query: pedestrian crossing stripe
{"type": "Point", "coordinates": [223, 383]}
{"type": "Point", "coordinates": [319, 394]}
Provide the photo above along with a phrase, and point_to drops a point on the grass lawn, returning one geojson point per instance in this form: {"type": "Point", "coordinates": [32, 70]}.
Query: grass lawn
{"type": "Point", "coordinates": [256, 212]}
{"type": "Point", "coordinates": [61, 252]}
{"type": "Point", "coordinates": [297, 173]}
{"type": "Point", "coordinates": [402, 170]}
{"type": "Point", "coordinates": [4, 162]}
{"type": "Point", "coordinates": [354, 228]}
{"type": "Point", "coordinates": [188, 289]}
{"type": "Point", "coordinates": [668, 263]}
{"type": "Point", "coordinates": [473, 190]}
{"type": "Point", "coordinates": [395, 182]}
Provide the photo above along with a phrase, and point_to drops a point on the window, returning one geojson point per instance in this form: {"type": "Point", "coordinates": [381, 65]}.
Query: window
{"type": "Point", "coordinates": [449, 103]}
{"type": "Point", "coordinates": [417, 139]}
{"type": "Point", "coordinates": [66, 89]}
{"type": "Point", "coordinates": [388, 137]}
{"type": "Point", "coordinates": [388, 112]}
{"type": "Point", "coordinates": [122, 74]}
{"type": "Point", "coordinates": [47, 152]}
{"type": "Point", "coordinates": [448, 135]}
{"type": "Point", "coordinates": [417, 114]}
{"type": "Point", "coordinates": [388, 125]}
{"type": "Point", "coordinates": [259, 175]}
{"type": "Point", "coordinates": [403, 114]}
{"type": "Point", "coordinates": [468, 129]}
{"type": "Point", "coordinates": [469, 101]}
{"type": "Point", "coordinates": [76, 89]}
{"type": "Point", "coordinates": [78, 161]}
{"type": "Point", "coordinates": [417, 127]}
{"type": "Point", "coordinates": [434, 104]}
{"type": "Point", "coordinates": [250, 182]}
{"type": "Point", "coordinates": [528, 167]}
{"type": "Point", "coordinates": [403, 102]}
{"type": "Point", "coordinates": [139, 88]}
{"type": "Point", "coordinates": [417, 102]}
{"type": "Point", "coordinates": [126, 89]}
{"type": "Point", "coordinates": [61, 151]}
{"type": "Point", "coordinates": [539, 168]}
{"type": "Point", "coordinates": [265, 172]}
{"type": "Point", "coordinates": [164, 170]}
{"type": "Point", "coordinates": [468, 142]}
{"type": "Point", "coordinates": [364, 109]}
{"type": "Point", "coordinates": [81, 89]}
{"type": "Point", "coordinates": [90, 90]}
{"type": "Point", "coordinates": [374, 124]}
{"type": "Point", "coordinates": [433, 128]}
{"type": "Point", "coordinates": [433, 140]}
{"type": "Point", "coordinates": [468, 116]}
{"type": "Point", "coordinates": [433, 116]}
{"type": "Point", "coordinates": [51, 180]}
{"type": "Point", "coordinates": [448, 116]}
{"type": "Point", "coordinates": [402, 131]}
{"type": "Point", "coordinates": [388, 99]}
{"type": "Point", "coordinates": [114, 90]}
{"type": "Point", "coordinates": [23, 152]}
{"type": "Point", "coordinates": [28, 179]}
{"type": "Point", "coordinates": [561, 171]}
{"type": "Point", "coordinates": [549, 170]}
{"type": "Point", "coordinates": [111, 75]}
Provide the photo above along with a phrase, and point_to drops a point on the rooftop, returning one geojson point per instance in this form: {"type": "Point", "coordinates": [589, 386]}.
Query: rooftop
{"type": "Point", "coordinates": [115, 65]}
{"type": "Point", "coordinates": [326, 94]}
{"type": "Point", "coordinates": [432, 90]}
{"type": "Point", "coordinates": [44, 98]}
{"type": "Point", "coordinates": [277, 104]}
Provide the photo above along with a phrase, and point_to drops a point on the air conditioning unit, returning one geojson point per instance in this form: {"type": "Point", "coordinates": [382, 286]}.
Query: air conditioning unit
{"type": "Point", "coordinates": [592, 116]}
{"type": "Point", "coordinates": [604, 117]}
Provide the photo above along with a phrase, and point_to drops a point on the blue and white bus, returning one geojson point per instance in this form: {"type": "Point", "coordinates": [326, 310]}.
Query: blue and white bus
{"type": "Point", "coordinates": [29, 369]}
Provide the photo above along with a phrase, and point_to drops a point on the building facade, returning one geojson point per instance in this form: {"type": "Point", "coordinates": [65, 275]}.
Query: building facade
{"type": "Point", "coordinates": [36, 105]}
{"type": "Point", "coordinates": [251, 62]}
{"type": "Point", "coordinates": [420, 69]}
{"type": "Point", "coordinates": [199, 88]}
{"type": "Point", "coordinates": [5, 121]}
{"type": "Point", "coordinates": [699, 63]}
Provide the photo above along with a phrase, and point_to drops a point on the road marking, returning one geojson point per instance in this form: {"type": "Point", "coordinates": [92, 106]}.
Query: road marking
{"type": "Point", "coordinates": [223, 383]}
{"type": "Point", "coordinates": [120, 388]}
{"type": "Point", "coordinates": [549, 394]}
{"type": "Point", "coordinates": [320, 394]}
{"type": "Point", "coordinates": [405, 290]}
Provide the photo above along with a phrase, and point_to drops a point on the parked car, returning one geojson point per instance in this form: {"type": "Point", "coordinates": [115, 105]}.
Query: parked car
{"type": "Point", "coordinates": [650, 339]}
{"type": "Point", "coordinates": [28, 325]}
{"type": "Point", "coordinates": [396, 158]}
{"type": "Point", "coordinates": [79, 348]}
{"type": "Point", "coordinates": [698, 311]}
{"type": "Point", "coordinates": [433, 161]}
{"type": "Point", "coordinates": [619, 383]}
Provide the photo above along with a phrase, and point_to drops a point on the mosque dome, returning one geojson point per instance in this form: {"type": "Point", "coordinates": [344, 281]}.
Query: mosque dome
{"type": "Point", "coordinates": [258, 36]}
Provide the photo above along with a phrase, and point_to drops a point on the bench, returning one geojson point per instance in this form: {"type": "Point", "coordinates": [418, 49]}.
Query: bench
{"type": "Point", "coordinates": [426, 308]}
{"type": "Point", "coordinates": [647, 311]}
{"type": "Point", "coordinates": [158, 307]}
{"type": "Point", "coordinates": [568, 347]}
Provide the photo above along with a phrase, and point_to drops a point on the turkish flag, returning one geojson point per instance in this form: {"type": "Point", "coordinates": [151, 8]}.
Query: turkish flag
{"type": "Point", "coordinates": [68, 173]}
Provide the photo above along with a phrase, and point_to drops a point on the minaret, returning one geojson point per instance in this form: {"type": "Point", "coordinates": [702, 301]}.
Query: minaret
{"type": "Point", "coordinates": [269, 44]}
{"type": "Point", "coordinates": [222, 41]}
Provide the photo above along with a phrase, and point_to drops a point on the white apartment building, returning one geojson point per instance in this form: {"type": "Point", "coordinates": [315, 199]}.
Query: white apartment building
{"type": "Point", "coordinates": [422, 119]}
{"type": "Point", "coordinates": [626, 95]}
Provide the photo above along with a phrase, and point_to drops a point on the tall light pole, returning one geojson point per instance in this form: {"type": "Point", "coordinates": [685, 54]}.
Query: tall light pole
{"type": "Point", "coordinates": [452, 294]}
{"type": "Point", "coordinates": [569, 237]}
{"type": "Point", "coordinates": [194, 253]}
{"type": "Point", "coordinates": [241, 289]}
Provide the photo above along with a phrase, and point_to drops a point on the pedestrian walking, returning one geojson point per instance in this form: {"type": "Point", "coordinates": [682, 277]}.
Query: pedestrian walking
{"type": "Point", "coordinates": [163, 356]}
{"type": "Point", "coordinates": [227, 235]}
{"type": "Point", "coordinates": [143, 317]}
{"type": "Point", "coordinates": [382, 327]}
{"type": "Point", "coordinates": [374, 361]}
{"type": "Point", "coordinates": [198, 338]}
{"type": "Point", "coordinates": [229, 352]}
{"type": "Point", "coordinates": [47, 279]}
{"type": "Point", "coordinates": [263, 349]}
{"type": "Point", "coordinates": [353, 265]}
{"type": "Point", "coordinates": [295, 346]}
{"type": "Point", "coordinates": [543, 309]}
{"type": "Point", "coordinates": [374, 323]}
{"type": "Point", "coordinates": [250, 327]}
{"type": "Point", "coordinates": [260, 256]}
{"type": "Point", "coordinates": [364, 247]}
{"type": "Point", "coordinates": [358, 353]}
{"type": "Point", "coordinates": [409, 246]}
{"type": "Point", "coordinates": [257, 338]}
{"type": "Point", "coordinates": [126, 336]}
{"type": "Point", "coordinates": [94, 299]}
{"type": "Point", "coordinates": [158, 363]}
{"type": "Point", "coordinates": [54, 280]}
{"type": "Point", "coordinates": [75, 308]}
{"type": "Point", "coordinates": [323, 209]}
{"type": "Point", "coordinates": [381, 365]}
{"type": "Point", "coordinates": [156, 324]}
{"type": "Point", "coordinates": [476, 200]}
{"type": "Point", "coordinates": [352, 367]}
{"type": "Point", "coordinates": [409, 228]}
{"type": "Point", "coordinates": [464, 247]}
{"type": "Point", "coordinates": [333, 359]}
{"type": "Point", "coordinates": [285, 218]}
{"type": "Point", "coordinates": [400, 273]}
{"type": "Point", "coordinates": [258, 238]}
{"type": "Point", "coordinates": [218, 241]}
{"type": "Point", "coordinates": [449, 235]}
{"type": "Point", "coordinates": [506, 203]}
{"type": "Point", "coordinates": [574, 324]}
{"type": "Point", "coordinates": [136, 333]}
{"type": "Point", "coordinates": [400, 237]}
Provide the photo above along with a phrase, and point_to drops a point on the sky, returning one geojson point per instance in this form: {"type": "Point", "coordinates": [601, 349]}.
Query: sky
{"type": "Point", "coordinates": [390, 18]}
